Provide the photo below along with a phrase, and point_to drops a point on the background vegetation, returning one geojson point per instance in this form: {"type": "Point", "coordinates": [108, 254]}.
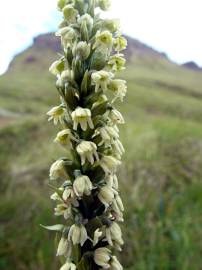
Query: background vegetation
{"type": "Point", "coordinates": [160, 178]}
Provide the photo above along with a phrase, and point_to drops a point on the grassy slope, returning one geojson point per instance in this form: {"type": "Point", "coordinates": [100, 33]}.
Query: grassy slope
{"type": "Point", "coordinates": [160, 178]}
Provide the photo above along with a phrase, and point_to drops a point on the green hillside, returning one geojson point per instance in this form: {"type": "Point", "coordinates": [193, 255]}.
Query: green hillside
{"type": "Point", "coordinates": [160, 178]}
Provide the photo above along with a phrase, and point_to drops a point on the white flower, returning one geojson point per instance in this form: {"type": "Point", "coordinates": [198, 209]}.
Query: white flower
{"type": "Point", "coordinates": [64, 247]}
{"type": "Point", "coordinates": [118, 148]}
{"type": "Point", "coordinates": [64, 137]}
{"type": "Point", "coordinates": [83, 117]}
{"type": "Point", "coordinates": [119, 88]}
{"type": "Point", "coordinates": [109, 164]}
{"type": "Point", "coordinates": [57, 114]}
{"type": "Point", "coordinates": [82, 185]}
{"type": "Point", "coordinates": [119, 202]}
{"type": "Point", "coordinates": [102, 257]}
{"type": "Point", "coordinates": [116, 117]}
{"type": "Point", "coordinates": [104, 4]}
{"type": "Point", "coordinates": [114, 234]}
{"type": "Point", "coordinates": [55, 197]}
{"type": "Point", "coordinates": [68, 35]}
{"type": "Point", "coordinates": [57, 67]}
{"type": "Point", "coordinates": [120, 44]}
{"type": "Point", "coordinates": [87, 151]}
{"type": "Point", "coordinates": [101, 80]}
{"type": "Point", "coordinates": [70, 13]}
{"type": "Point", "coordinates": [106, 195]}
{"type": "Point", "coordinates": [117, 62]}
{"type": "Point", "coordinates": [112, 25]}
{"type": "Point", "coordinates": [118, 208]}
{"type": "Point", "coordinates": [103, 40]}
{"type": "Point", "coordinates": [68, 266]}
{"type": "Point", "coordinates": [63, 210]}
{"type": "Point", "coordinates": [108, 135]}
{"type": "Point", "coordinates": [97, 235]}
{"type": "Point", "coordinates": [112, 181]}
{"type": "Point", "coordinates": [77, 234]}
{"type": "Point", "coordinates": [115, 264]}
{"type": "Point", "coordinates": [69, 196]}
{"type": "Point", "coordinates": [57, 170]}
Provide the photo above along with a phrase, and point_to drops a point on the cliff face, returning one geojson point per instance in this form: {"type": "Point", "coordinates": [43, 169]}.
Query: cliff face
{"type": "Point", "coordinates": [47, 41]}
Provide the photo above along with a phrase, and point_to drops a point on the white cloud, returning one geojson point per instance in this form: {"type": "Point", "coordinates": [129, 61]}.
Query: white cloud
{"type": "Point", "coordinates": [20, 21]}
{"type": "Point", "coordinates": [172, 26]}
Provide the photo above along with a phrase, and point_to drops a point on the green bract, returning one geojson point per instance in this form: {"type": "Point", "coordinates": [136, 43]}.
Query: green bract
{"type": "Point", "coordinates": [84, 179]}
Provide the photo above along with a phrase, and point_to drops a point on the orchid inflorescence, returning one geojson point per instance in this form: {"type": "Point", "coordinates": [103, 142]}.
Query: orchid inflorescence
{"type": "Point", "coordinates": [89, 198]}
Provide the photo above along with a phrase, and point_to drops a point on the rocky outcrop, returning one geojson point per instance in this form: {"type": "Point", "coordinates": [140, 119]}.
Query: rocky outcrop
{"type": "Point", "coordinates": [49, 41]}
{"type": "Point", "coordinates": [192, 65]}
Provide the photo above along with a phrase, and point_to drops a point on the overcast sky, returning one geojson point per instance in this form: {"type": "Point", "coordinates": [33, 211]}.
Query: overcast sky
{"type": "Point", "coordinates": [171, 26]}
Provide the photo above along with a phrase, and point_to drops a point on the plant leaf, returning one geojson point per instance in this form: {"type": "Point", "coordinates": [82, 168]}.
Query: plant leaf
{"type": "Point", "coordinates": [57, 227]}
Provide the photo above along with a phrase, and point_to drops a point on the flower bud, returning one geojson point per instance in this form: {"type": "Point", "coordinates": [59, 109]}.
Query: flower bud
{"type": "Point", "coordinates": [70, 13]}
{"type": "Point", "coordinates": [115, 264]}
{"type": "Point", "coordinates": [57, 67]}
{"type": "Point", "coordinates": [61, 4]}
{"type": "Point", "coordinates": [87, 19]}
{"type": "Point", "coordinates": [82, 185]}
{"type": "Point", "coordinates": [78, 234]}
{"type": "Point", "coordinates": [106, 195]}
{"type": "Point", "coordinates": [83, 117]}
{"type": "Point", "coordinates": [68, 35]}
{"type": "Point", "coordinates": [97, 235]}
{"type": "Point", "coordinates": [57, 170]}
{"type": "Point", "coordinates": [104, 4]}
{"type": "Point", "coordinates": [82, 50]}
{"type": "Point", "coordinates": [102, 257]}
{"type": "Point", "coordinates": [87, 151]}
{"type": "Point", "coordinates": [64, 247]}
{"type": "Point", "coordinates": [112, 25]}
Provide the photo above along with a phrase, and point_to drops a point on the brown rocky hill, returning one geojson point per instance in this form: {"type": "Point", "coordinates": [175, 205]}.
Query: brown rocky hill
{"type": "Point", "coordinates": [135, 47]}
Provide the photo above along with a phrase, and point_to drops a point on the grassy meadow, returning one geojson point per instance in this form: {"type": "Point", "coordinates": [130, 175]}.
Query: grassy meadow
{"type": "Point", "coordinates": [161, 176]}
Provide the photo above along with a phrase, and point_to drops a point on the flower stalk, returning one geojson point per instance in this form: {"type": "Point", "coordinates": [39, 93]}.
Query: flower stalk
{"type": "Point", "coordinates": [85, 181]}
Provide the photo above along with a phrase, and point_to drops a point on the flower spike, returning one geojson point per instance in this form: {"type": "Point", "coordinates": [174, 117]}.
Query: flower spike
{"type": "Point", "coordinates": [85, 182]}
